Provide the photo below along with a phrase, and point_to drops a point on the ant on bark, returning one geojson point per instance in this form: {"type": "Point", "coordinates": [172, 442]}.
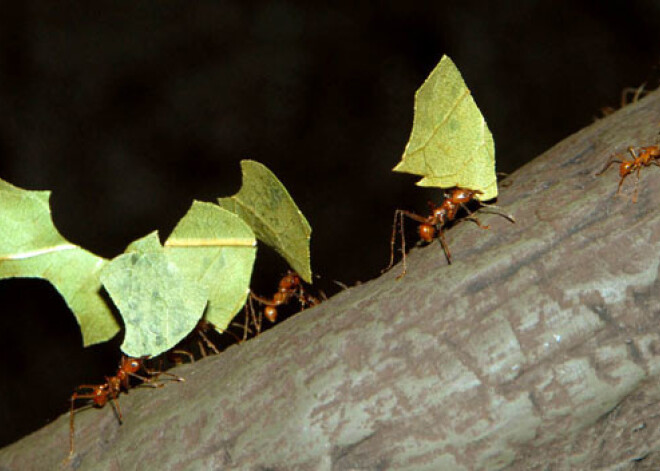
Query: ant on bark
{"type": "Point", "coordinates": [290, 286]}
{"type": "Point", "coordinates": [433, 226]}
{"type": "Point", "coordinates": [645, 157]}
{"type": "Point", "coordinates": [113, 386]}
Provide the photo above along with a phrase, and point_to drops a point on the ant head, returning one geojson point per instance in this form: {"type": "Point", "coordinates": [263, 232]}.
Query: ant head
{"type": "Point", "coordinates": [289, 281]}
{"type": "Point", "coordinates": [463, 195]}
{"type": "Point", "coordinates": [426, 232]}
{"type": "Point", "coordinates": [130, 365]}
{"type": "Point", "coordinates": [625, 167]}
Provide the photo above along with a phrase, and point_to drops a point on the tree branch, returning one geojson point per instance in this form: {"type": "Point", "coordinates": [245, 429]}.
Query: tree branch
{"type": "Point", "coordinates": [536, 349]}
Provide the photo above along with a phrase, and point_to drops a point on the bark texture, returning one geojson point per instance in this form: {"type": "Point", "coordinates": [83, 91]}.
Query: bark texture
{"type": "Point", "coordinates": [536, 349]}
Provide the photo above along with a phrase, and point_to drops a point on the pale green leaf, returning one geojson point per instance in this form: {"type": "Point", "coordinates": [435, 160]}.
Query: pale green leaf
{"type": "Point", "coordinates": [160, 305]}
{"type": "Point", "coordinates": [31, 247]}
{"type": "Point", "coordinates": [450, 144]}
{"type": "Point", "coordinates": [216, 248]}
{"type": "Point", "coordinates": [148, 243]}
{"type": "Point", "coordinates": [267, 207]}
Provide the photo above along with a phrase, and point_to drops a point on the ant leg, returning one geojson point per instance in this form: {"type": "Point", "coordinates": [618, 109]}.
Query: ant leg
{"type": "Point", "coordinates": [208, 343]}
{"type": "Point", "coordinates": [403, 248]}
{"type": "Point", "coordinates": [634, 199]}
{"type": "Point", "coordinates": [636, 92]}
{"type": "Point", "coordinates": [246, 325]}
{"type": "Point", "coordinates": [618, 190]}
{"type": "Point", "coordinates": [260, 300]}
{"type": "Point", "coordinates": [392, 241]}
{"type": "Point", "coordinates": [487, 208]}
{"type": "Point", "coordinates": [71, 433]}
{"type": "Point", "coordinates": [609, 163]}
{"type": "Point", "coordinates": [115, 404]}
{"type": "Point", "coordinates": [400, 213]}
{"type": "Point", "coordinates": [155, 375]}
{"type": "Point", "coordinates": [186, 354]}
{"type": "Point", "coordinates": [236, 337]}
{"type": "Point", "coordinates": [256, 321]}
{"type": "Point", "coordinates": [471, 216]}
{"type": "Point", "coordinates": [445, 247]}
{"type": "Point", "coordinates": [475, 219]}
{"type": "Point", "coordinates": [74, 397]}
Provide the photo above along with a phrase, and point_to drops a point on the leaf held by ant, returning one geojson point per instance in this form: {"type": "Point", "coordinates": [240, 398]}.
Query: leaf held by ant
{"type": "Point", "coordinates": [450, 144]}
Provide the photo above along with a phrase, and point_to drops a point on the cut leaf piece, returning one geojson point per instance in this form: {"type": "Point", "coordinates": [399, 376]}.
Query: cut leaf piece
{"type": "Point", "coordinates": [267, 207]}
{"type": "Point", "coordinates": [160, 305]}
{"type": "Point", "coordinates": [31, 247]}
{"type": "Point", "coordinates": [216, 249]}
{"type": "Point", "coordinates": [450, 144]}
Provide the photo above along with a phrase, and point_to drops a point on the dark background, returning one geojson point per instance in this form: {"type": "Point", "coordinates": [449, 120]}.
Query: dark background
{"type": "Point", "coordinates": [129, 110]}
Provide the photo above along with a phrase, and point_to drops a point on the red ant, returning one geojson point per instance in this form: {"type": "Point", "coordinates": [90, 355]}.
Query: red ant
{"type": "Point", "coordinates": [110, 390]}
{"type": "Point", "coordinates": [432, 226]}
{"type": "Point", "coordinates": [289, 286]}
{"type": "Point", "coordinates": [646, 157]}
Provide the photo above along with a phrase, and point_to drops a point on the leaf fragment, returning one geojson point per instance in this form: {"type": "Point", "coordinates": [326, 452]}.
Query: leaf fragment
{"type": "Point", "coordinates": [31, 247]}
{"type": "Point", "coordinates": [160, 305]}
{"type": "Point", "coordinates": [265, 204]}
{"type": "Point", "coordinates": [450, 144]}
{"type": "Point", "coordinates": [217, 249]}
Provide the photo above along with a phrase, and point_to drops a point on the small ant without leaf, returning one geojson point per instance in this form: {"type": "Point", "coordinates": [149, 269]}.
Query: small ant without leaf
{"type": "Point", "coordinates": [433, 226]}
{"type": "Point", "coordinates": [645, 157]}
{"type": "Point", "coordinates": [110, 390]}
{"type": "Point", "coordinates": [290, 286]}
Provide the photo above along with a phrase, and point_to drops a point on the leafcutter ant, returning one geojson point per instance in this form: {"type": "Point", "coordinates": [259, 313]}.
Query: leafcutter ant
{"type": "Point", "coordinates": [433, 226]}
{"type": "Point", "coordinates": [643, 157]}
{"type": "Point", "coordinates": [99, 394]}
{"type": "Point", "coordinates": [290, 286]}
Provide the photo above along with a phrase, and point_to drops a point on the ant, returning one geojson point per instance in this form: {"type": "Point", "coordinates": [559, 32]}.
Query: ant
{"type": "Point", "coordinates": [290, 286]}
{"type": "Point", "coordinates": [432, 226]}
{"type": "Point", "coordinates": [110, 390]}
{"type": "Point", "coordinates": [645, 157]}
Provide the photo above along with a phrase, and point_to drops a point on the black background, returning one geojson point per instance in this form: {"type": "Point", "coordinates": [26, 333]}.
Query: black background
{"type": "Point", "coordinates": [129, 110]}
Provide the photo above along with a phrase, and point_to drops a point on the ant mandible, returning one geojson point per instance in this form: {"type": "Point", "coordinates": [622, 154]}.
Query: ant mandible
{"type": "Point", "coordinates": [433, 226]}
{"type": "Point", "coordinates": [290, 286]}
{"type": "Point", "coordinates": [645, 157]}
{"type": "Point", "coordinates": [110, 390]}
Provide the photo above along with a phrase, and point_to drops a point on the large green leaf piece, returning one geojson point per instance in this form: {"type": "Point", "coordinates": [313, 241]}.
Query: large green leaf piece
{"type": "Point", "coordinates": [31, 247]}
{"type": "Point", "coordinates": [216, 248]}
{"type": "Point", "coordinates": [160, 305]}
{"type": "Point", "coordinates": [265, 204]}
{"type": "Point", "coordinates": [450, 144]}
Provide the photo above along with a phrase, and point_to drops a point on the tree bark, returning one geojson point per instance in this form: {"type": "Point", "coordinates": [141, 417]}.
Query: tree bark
{"type": "Point", "coordinates": [536, 349]}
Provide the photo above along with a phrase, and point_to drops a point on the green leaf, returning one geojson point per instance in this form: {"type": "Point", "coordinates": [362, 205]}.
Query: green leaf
{"type": "Point", "coordinates": [160, 305]}
{"type": "Point", "coordinates": [267, 207]}
{"type": "Point", "coordinates": [216, 248]}
{"type": "Point", "coordinates": [31, 247]}
{"type": "Point", "coordinates": [450, 144]}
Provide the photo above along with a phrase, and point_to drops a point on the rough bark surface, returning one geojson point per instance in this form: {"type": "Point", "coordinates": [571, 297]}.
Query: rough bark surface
{"type": "Point", "coordinates": [536, 349]}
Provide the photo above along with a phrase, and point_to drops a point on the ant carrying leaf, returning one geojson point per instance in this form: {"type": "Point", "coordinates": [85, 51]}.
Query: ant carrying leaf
{"type": "Point", "coordinates": [451, 147]}
{"type": "Point", "coordinates": [434, 225]}
{"type": "Point", "coordinates": [290, 286]}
